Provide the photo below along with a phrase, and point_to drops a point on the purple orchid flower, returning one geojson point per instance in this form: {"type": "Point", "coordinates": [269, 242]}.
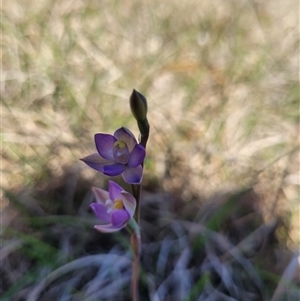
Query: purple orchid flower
{"type": "Point", "coordinates": [118, 154]}
{"type": "Point", "coordinates": [114, 207]}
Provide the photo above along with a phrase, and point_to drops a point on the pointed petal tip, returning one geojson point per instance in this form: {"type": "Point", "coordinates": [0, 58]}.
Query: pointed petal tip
{"type": "Point", "coordinates": [133, 175]}
{"type": "Point", "coordinates": [100, 195]}
{"type": "Point", "coordinates": [129, 202]}
{"type": "Point", "coordinates": [114, 190]}
{"type": "Point", "coordinates": [109, 228]}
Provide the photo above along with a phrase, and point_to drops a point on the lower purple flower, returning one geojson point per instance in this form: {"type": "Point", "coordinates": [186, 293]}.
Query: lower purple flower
{"type": "Point", "coordinates": [118, 154]}
{"type": "Point", "coordinates": [115, 207]}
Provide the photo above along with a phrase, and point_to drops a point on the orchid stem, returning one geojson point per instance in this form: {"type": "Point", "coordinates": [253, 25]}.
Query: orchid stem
{"type": "Point", "coordinates": [139, 109]}
{"type": "Point", "coordinates": [136, 191]}
{"type": "Point", "coordinates": [136, 245]}
{"type": "Point", "coordinates": [136, 241]}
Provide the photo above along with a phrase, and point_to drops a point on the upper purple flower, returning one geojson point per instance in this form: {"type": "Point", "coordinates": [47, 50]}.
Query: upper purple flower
{"type": "Point", "coordinates": [114, 207]}
{"type": "Point", "coordinates": [118, 154]}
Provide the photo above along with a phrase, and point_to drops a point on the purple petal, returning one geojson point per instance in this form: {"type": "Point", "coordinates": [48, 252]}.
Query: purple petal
{"type": "Point", "coordinates": [101, 195]}
{"type": "Point", "coordinates": [105, 144]}
{"type": "Point", "coordinates": [119, 217]}
{"type": "Point", "coordinates": [133, 175]}
{"type": "Point", "coordinates": [121, 155]}
{"type": "Point", "coordinates": [125, 135]}
{"type": "Point", "coordinates": [108, 228]}
{"type": "Point", "coordinates": [129, 202]}
{"type": "Point", "coordinates": [114, 190]}
{"type": "Point", "coordinates": [137, 156]}
{"type": "Point", "coordinates": [113, 169]}
{"type": "Point", "coordinates": [95, 161]}
{"type": "Point", "coordinates": [101, 212]}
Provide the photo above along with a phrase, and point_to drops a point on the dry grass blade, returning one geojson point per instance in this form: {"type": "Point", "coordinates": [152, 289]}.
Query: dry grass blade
{"type": "Point", "coordinates": [9, 247]}
{"type": "Point", "coordinates": [95, 260]}
{"type": "Point", "coordinates": [290, 274]}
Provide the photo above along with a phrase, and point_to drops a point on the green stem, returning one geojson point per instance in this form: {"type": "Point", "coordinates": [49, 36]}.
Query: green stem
{"type": "Point", "coordinates": [136, 237]}
{"type": "Point", "coordinates": [145, 133]}
{"type": "Point", "coordinates": [136, 243]}
{"type": "Point", "coordinates": [136, 192]}
{"type": "Point", "coordinates": [136, 246]}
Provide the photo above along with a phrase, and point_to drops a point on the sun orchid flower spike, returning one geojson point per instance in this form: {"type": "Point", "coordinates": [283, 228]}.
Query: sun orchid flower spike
{"type": "Point", "coordinates": [115, 207]}
{"type": "Point", "coordinates": [118, 154]}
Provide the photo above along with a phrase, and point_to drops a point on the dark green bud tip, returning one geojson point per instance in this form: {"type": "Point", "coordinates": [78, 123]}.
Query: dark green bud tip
{"type": "Point", "coordinates": [138, 105]}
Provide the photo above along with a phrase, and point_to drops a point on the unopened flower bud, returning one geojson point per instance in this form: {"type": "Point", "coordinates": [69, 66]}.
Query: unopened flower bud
{"type": "Point", "coordinates": [138, 105]}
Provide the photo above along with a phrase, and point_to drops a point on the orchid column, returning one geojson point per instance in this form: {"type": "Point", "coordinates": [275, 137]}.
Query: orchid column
{"type": "Point", "coordinates": [118, 154]}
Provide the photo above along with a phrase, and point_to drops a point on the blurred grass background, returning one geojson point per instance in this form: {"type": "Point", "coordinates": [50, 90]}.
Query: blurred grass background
{"type": "Point", "coordinates": [221, 79]}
